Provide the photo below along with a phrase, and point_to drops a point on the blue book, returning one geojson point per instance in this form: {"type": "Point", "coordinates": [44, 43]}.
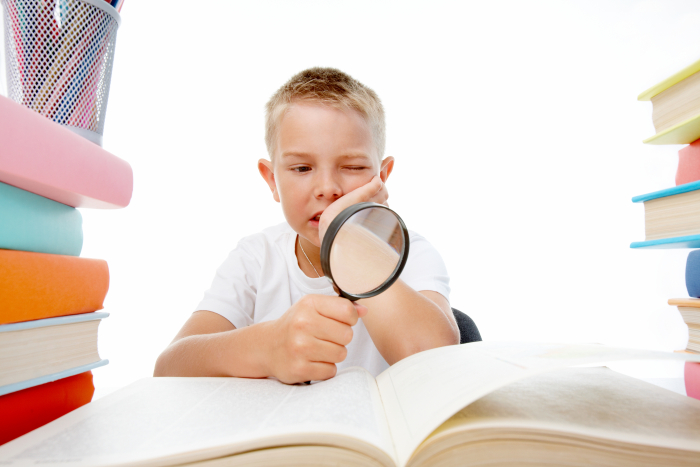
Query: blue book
{"type": "Point", "coordinates": [43, 350]}
{"type": "Point", "coordinates": [30, 383]}
{"type": "Point", "coordinates": [30, 222]}
{"type": "Point", "coordinates": [692, 274]}
{"type": "Point", "coordinates": [672, 217]}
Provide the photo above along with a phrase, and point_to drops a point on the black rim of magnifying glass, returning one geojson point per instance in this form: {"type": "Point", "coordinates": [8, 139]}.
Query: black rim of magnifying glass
{"type": "Point", "coordinates": [333, 229]}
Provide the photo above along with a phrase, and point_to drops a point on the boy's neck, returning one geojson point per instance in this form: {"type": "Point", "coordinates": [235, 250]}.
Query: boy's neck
{"type": "Point", "coordinates": [308, 258]}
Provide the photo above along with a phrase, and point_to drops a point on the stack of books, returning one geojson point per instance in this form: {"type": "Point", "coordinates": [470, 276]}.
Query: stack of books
{"type": "Point", "coordinates": [49, 296]}
{"type": "Point", "coordinates": [672, 215]}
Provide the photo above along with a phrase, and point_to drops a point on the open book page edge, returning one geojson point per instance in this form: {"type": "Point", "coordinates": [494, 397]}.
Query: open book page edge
{"type": "Point", "coordinates": [514, 427]}
{"type": "Point", "coordinates": [382, 450]}
{"type": "Point", "coordinates": [293, 456]}
{"type": "Point", "coordinates": [514, 360]}
{"type": "Point", "coordinates": [480, 425]}
{"type": "Point", "coordinates": [319, 439]}
{"type": "Point", "coordinates": [543, 439]}
{"type": "Point", "coordinates": [540, 410]}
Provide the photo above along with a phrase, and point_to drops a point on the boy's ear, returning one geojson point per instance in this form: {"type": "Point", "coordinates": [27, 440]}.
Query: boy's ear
{"type": "Point", "coordinates": [387, 167]}
{"type": "Point", "coordinates": [265, 169]}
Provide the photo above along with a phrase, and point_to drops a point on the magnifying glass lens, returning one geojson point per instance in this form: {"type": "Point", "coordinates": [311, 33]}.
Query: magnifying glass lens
{"type": "Point", "coordinates": [366, 250]}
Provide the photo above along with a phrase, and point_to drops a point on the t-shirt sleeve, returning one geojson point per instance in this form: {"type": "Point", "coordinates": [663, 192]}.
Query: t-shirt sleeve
{"type": "Point", "coordinates": [233, 290]}
{"type": "Point", "coordinates": [425, 269]}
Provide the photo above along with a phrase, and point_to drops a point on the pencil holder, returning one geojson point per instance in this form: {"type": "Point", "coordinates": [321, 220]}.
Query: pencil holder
{"type": "Point", "coordinates": [59, 59]}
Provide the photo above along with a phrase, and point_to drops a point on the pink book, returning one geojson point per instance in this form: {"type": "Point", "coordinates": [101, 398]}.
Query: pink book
{"type": "Point", "coordinates": [692, 379]}
{"type": "Point", "coordinates": [688, 163]}
{"type": "Point", "coordinates": [39, 155]}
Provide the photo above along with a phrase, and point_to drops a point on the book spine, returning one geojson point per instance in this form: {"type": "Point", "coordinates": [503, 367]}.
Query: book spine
{"type": "Point", "coordinates": [41, 156]}
{"type": "Point", "coordinates": [688, 164]}
{"type": "Point", "coordinates": [39, 285]}
{"type": "Point", "coordinates": [692, 379]}
{"type": "Point", "coordinates": [31, 222]}
{"type": "Point", "coordinates": [692, 274]}
{"type": "Point", "coordinates": [27, 410]}
{"type": "Point", "coordinates": [689, 241]}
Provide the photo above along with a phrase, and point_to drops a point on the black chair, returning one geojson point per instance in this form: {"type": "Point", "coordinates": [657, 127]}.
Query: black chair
{"type": "Point", "coordinates": [468, 332]}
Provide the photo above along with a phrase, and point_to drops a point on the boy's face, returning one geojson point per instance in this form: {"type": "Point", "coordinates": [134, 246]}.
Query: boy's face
{"type": "Point", "coordinates": [322, 153]}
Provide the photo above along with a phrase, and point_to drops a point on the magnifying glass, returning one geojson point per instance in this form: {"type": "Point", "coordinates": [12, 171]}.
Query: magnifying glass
{"type": "Point", "coordinates": [364, 250]}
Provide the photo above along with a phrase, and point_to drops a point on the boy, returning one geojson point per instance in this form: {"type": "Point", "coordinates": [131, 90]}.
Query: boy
{"type": "Point", "coordinates": [269, 311]}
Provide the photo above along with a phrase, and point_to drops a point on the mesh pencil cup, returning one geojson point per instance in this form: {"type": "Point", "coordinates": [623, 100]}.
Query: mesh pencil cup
{"type": "Point", "coordinates": [59, 59]}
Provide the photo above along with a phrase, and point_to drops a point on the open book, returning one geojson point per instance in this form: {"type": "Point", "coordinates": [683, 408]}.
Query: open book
{"type": "Point", "coordinates": [477, 403]}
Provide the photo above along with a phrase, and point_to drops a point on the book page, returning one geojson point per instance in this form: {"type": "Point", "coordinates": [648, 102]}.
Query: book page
{"type": "Point", "coordinates": [591, 401]}
{"type": "Point", "coordinates": [168, 421]}
{"type": "Point", "coordinates": [572, 407]}
{"type": "Point", "coordinates": [420, 392]}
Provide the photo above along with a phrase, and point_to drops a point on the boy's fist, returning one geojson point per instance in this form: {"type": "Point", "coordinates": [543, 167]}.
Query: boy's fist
{"type": "Point", "coordinates": [310, 338]}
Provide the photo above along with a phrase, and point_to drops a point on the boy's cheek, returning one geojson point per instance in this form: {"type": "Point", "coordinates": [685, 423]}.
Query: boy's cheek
{"type": "Point", "coordinates": [358, 182]}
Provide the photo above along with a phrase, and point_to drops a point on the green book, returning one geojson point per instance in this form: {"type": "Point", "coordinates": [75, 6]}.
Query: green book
{"type": "Point", "coordinates": [30, 222]}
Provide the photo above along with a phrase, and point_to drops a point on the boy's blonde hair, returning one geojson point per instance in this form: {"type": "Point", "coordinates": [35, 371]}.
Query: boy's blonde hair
{"type": "Point", "coordinates": [331, 87]}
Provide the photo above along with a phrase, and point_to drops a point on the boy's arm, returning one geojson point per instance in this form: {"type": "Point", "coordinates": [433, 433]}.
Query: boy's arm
{"type": "Point", "coordinates": [303, 344]}
{"type": "Point", "coordinates": [209, 345]}
{"type": "Point", "coordinates": [402, 321]}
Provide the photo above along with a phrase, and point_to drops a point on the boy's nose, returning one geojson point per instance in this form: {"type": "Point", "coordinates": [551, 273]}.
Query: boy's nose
{"type": "Point", "coordinates": [328, 187]}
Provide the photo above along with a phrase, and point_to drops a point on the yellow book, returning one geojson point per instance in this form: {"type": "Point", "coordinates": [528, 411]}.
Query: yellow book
{"type": "Point", "coordinates": [676, 107]}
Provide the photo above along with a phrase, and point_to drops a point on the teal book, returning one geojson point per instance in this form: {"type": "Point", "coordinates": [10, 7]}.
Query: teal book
{"type": "Point", "coordinates": [30, 222]}
{"type": "Point", "coordinates": [671, 217]}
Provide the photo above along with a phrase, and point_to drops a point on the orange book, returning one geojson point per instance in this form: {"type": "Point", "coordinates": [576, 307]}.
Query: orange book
{"type": "Point", "coordinates": [26, 410]}
{"type": "Point", "coordinates": [40, 285]}
{"type": "Point", "coordinates": [688, 164]}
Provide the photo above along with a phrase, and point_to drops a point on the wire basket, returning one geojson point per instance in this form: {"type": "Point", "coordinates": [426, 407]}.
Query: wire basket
{"type": "Point", "coordinates": [59, 59]}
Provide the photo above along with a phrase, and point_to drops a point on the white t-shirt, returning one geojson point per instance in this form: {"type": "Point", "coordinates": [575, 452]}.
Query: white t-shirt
{"type": "Point", "coordinates": [261, 279]}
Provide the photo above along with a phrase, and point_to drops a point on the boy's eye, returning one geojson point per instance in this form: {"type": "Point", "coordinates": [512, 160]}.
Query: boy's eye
{"type": "Point", "coordinates": [301, 169]}
{"type": "Point", "coordinates": [357, 168]}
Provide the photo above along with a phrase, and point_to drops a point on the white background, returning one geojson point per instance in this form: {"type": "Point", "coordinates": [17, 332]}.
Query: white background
{"type": "Point", "coordinates": [515, 128]}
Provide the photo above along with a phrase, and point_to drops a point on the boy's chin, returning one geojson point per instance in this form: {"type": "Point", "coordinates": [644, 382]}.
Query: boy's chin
{"type": "Point", "coordinates": [311, 235]}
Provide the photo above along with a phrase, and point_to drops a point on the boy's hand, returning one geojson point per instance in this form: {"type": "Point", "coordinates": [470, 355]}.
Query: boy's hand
{"type": "Point", "coordinates": [375, 191]}
{"type": "Point", "coordinates": [310, 338]}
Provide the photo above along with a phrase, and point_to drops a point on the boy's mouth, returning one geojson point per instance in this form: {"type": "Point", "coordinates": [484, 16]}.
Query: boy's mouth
{"type": "Point", "coordinates": [316, 217]}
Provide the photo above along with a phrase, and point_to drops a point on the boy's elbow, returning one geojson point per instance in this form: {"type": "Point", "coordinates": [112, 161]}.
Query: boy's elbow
{"type": "Point", "coordinates": [449, 337]}
{"type": "Point", "coordinates": [162, 366]}
{"type": "Point", "coordinates": [441, 340]}
{"type": "Point", "coordinates": [159, 368]}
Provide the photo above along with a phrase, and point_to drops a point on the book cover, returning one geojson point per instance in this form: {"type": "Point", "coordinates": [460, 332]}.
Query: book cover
{"type": "Point", "coordinates": [687, 241]}
{"type": "Point", "coordinates": [692, 274]}
{"type": "Point", "coordinates": [688, 129]}
{"type": "Point", "coordinates": [40, 285]}
{"type": "Point", "coordinates": [691, 302]}
{"type": "Point", "coordinates": [670, 81]}
{"type": "Point", "coordinates": [59, 375]}
{"type": "Point", "coordinates": [676, 190]}
{"type": "Point", "coordinates": [41, 156]}
{"type": "Point", "coordinates": [38, 351]}
{"type": "Point", "coordinates": [684, 132]}
{"type": "Point", "coordinates": [688, 164]}
{"type": "Point", "coordinates": [670, 220]}
{"type": "Point", "coordinates": [30, 222]}
{"type": "Point", "coordinates": [692, 379]}
{"type": "Point", "coordinates": [27, 410]}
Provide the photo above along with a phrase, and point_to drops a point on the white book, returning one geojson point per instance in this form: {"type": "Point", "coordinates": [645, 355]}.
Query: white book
{"type": "Point", "coordinates": [38, 351]}
{"type": "Point", "coordinates": [459, 405]}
